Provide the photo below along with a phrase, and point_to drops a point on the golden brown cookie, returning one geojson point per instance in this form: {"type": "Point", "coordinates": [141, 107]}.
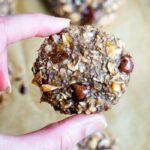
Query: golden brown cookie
{"type": "Point", "coordinates": [82, 70]}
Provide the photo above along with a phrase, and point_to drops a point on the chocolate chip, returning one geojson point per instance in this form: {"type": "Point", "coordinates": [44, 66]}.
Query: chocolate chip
{"type": "Point", "coordinates": [126, 64]}
{"type": "Point", "coordinates": [23, 89]}
{"type": "Point", "coordinates": [88, 15]}
{"type": "Point", "coordinates": [80, 91]}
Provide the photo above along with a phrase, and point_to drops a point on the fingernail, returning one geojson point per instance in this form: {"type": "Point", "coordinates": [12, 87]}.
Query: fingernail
{"type": "Point", "coordinates": [64, 21]}
{"type": "Point", "coordinates": [8, 89]}
{"type": "Point", "coordinates": [95, 126]}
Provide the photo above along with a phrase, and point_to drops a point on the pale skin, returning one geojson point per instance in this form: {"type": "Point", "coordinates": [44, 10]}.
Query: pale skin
{"type": "Point", "coordinates": [62, 135]}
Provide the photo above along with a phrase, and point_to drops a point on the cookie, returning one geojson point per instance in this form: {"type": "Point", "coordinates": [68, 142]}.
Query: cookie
{"type": "Point", "coordinates": [101, 140]}
{"type": "Point", "coordinates": [82, 70]}
{"type": "Point", "coordinates": [6, 7]}
{"type": "Point", "coordinates": [99, 12]}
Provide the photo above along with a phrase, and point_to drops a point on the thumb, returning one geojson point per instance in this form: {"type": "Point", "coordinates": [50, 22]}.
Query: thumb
{"type": "Point", "coordinates": [70, 131]}
{"type": "Point", "coordinates": [60, 136]}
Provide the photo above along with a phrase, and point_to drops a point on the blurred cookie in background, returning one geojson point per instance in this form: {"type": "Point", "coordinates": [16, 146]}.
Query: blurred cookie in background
{"type": "Point", "coordinates": [97, 12]}
{"type": "Point", "coordinates": [6, 7]}
{"type": "Point", "coordinates": [101, 140]}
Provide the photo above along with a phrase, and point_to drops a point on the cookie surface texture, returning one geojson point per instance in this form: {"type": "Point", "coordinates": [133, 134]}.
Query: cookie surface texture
{"type": "Point", "coordinates": [82, 70]}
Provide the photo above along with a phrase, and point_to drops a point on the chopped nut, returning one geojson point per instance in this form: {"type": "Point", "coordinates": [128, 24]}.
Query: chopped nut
{"type": "Point", "coordinates": [111, 67]}
{"type": "Point", "coordinates": [87, 112]}
{"type": "Point", "coordinates": [38, 78]}
{"type": "Point", "coordinates": [67, 105]}
{"type": "Point", "coordinates": [66, 38]}
{"type": "Point", "coordinates": [64, 96]}
{"type": "Point", "coordinates": [48, 88]}
{"type": "Point", "coordinates": [104, 143]}
{"type": "Point", "coordinates": [48, 48]}
{"type": "Point", "coordinates": [82, 67]}
{"type": "Point", "coordinates": [93, 142]}
{"type": "Point", "coordinates": [48, 65]}
{"type": "Point", "coordinates": [116, 87]}
{"type": "Point", "coordinates": [110, 47]}
{"type": "Point", "coordinates": [72, 67]}
{"type": "Point", "coordinates": [55, 38]}
{"type": "Point", "coordinates": [83, 104]}
{"type": "Point", "coordinates": [92, 108]}
{"type": "Point", "coordinates": [99, 100]}
{"type": "Point", "coordinates": [107, 107]}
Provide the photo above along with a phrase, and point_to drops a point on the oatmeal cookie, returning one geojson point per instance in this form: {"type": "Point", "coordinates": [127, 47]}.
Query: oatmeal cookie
{"type": "Point", "coordinates": [99, 12]}
{"type": "Point", "coordinates": [101, 140]}
{"type": "Point", "coordinates": [82, 70]}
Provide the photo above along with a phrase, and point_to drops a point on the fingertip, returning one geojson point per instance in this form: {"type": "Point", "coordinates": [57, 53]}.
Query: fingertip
{"type": "Point", "coordinates": [33, 24]}
{"type": "Point", "coordinates": [48, 25]}
{"type": "Point", "coordinates": [57, 24]}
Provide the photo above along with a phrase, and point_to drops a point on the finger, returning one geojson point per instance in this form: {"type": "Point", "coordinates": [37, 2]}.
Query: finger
{"type": "Point", "coordinates": [76, 128]}
{"type": "Point", "coordinates": [4, 80]}
{"type": "Point", "coordinates": [24, 26]}
{"type": "Point", "coordinates": [63, 135]}
{"type": "Point", "coordinates": [14, 28]}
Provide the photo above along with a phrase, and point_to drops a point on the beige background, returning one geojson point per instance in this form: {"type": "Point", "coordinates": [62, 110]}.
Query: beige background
{"type": "Point", "coordinates": [129, 120]}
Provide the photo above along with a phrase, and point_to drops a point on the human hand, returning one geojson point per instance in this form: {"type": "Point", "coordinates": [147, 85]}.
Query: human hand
{"type": "Point", "coordinates": [18, 27]}
{"type": "Point", "coordinates": [58, 136]}
{"type": "Point", "coordinates": [62, 135]}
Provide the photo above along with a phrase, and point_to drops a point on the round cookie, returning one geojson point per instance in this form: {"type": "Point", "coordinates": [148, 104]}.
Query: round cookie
{"type": "Point", "coordinates": [99, 12]}
{"type": "Point", "coordinates": [82, 70]}
{"type": "Point", "coordinates": [101, 140]}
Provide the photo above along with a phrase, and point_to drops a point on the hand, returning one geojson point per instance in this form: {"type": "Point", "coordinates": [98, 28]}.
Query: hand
{"type": "Point", "coordinates": [62, 135]}
{"type": "Point", "coordinates": [58, 136]}
{"type": "Point", "coordinates": [18, 27]}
